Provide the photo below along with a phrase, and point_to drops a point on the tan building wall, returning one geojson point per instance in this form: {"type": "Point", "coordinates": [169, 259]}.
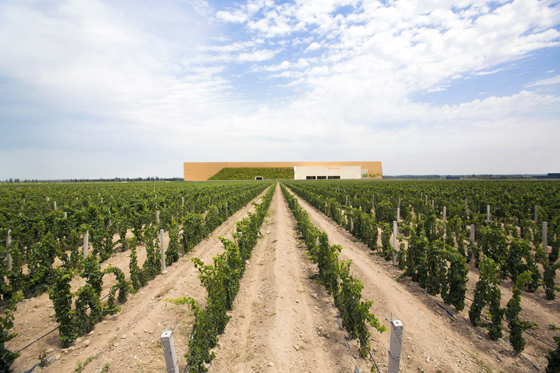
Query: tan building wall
{"type": "Point", "coordinates": [200, 171]}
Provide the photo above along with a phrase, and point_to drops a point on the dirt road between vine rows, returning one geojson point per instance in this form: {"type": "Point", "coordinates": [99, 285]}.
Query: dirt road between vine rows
{"type": "Point", "coordinates": [432, 341]}
{"type": "Point", "coordinates": [129, 340]}
{"type": "Point", "coordinates": [282, 320]}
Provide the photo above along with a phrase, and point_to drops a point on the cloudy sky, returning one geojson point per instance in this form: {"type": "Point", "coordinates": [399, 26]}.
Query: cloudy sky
{"type": "Point", "coordinates": [92, 88]}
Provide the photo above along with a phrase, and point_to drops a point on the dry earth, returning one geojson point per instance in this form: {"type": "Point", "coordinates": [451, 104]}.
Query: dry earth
{"type": "Point", "coordinates": [282, 320]}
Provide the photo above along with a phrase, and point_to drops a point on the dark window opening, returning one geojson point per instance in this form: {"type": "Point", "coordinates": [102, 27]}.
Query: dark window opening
{"type": "Point", "coordinates": [258, 177]}
{"type": "Point", "coordinates": [310, 177]}
{"type": "Point", "coordinates": [334, 177]}
{"type": "Point", "coordinates": [321, 178]}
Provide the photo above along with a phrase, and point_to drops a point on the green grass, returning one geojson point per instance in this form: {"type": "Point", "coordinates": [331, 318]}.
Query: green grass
{"type": "Point", "coordinates": [249, 173]}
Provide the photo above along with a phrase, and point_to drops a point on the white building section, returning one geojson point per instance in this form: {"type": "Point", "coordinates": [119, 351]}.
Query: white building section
{"type": "Point", "coordinates": [328, 172]}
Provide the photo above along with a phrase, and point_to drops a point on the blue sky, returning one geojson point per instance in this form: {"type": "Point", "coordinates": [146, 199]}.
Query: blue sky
{"type": "Point", "coordinates": [127, 88]}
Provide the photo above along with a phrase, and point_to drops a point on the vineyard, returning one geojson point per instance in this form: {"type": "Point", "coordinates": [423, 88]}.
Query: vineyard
{"type": "Point", "coordinates": [306, 276]}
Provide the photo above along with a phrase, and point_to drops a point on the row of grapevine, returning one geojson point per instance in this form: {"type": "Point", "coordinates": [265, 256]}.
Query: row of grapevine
{"type": "Point", "coordinates": [437, 254]}
{"type": "Point", "coordinates": [221, 281]}
{"type": "Point", "coordinates": [38, 236]}
{"type": "Point", "coordinates": [60, 236]}
{"type": "Point", "coordinates": [335, 276]}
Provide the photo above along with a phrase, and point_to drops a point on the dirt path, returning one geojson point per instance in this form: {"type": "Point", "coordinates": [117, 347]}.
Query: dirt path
{"type": "Point", "coordinates": [128, 340]}
{"type": "Point", "coordinates": [432, 341]}
{"type": "Point", "coordinates": [283, 321]}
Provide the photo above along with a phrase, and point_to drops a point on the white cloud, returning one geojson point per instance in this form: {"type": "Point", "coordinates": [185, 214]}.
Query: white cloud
{"type": "Point", "coordinates": [313, 47]}
{"type": "Point", "coordinates": [482, 73]}
{"type": "Point", "coordinates": [549, 81]}
{"type": "Point", "coordinates": [236, 17]}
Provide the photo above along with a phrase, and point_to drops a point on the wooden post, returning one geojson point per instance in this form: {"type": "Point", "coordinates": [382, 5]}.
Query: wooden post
{"type": "Point", "coordinates": [162, 242]}
{"type": "Point", "coordinates": [101, 199]}
{"type": "Point", "coordinates": [444, 213]}
{"type": "Point", "coordinates": [226, 207]}
{"type": "Point", "coordinates": [351, 225]}
{"type": "Point", "coordinates": [472, 242]}
{"type": "Point", "coordinates": [183, 201]}
{"type": "Point", "coordinates": [432, 203]}
{"type": "Point", "coordinates": [346, 200]}
{"type": "Point", "coordinates": [372, 202]}
{"type": "Point", "coordinates": [86, 243]}
{"type": "Point", "coordinates": [395, 347]}
{"type": "Point", "coordinates": [545, 236]}
{"type": "Point", "coordinates": [398, 214]}
{"type": "Point", "coordinates": [54, 205]}
{"type": "Point", "coordinates": [157, 216]}
{"type": "Point", "coordinates": [487, 213]}
{"type": "Point", "coordinates": [65, 215]}
{"type": "Point", "coordinates": [8, 242]}
{"type": "Point", "coordinates": [395, 242]}
{"type": "Point", "coordinates": [169, 354]}
{"type": "Point", "coordinates": [536, 214]}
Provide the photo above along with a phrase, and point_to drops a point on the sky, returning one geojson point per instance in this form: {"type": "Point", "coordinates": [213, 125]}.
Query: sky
{"type": "Point", "coordinates": [128, 88]}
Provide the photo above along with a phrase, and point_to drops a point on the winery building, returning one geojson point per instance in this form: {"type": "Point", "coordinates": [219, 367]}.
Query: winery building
{"type": "Point", "coordinates": [200, 171]}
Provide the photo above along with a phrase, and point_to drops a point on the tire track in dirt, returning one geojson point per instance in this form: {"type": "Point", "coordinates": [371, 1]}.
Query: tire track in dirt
{"type": "Point", "coordinates": [141, 320]}
{"type": "Point", "coordinates": [282, 320]}
{"type": "Point", "coordinates": [431, 342]}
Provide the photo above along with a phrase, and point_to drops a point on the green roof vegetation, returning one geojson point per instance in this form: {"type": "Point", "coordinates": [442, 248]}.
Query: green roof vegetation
{"type": "Point", "coordinates": [249, 173]}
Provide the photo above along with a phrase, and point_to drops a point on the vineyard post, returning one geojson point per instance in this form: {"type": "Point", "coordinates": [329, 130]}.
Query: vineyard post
{"type": "Point", "coordinates": [536, 214]}
{"type": "Point", "coordinates": [157, 216]}
{"type": "Point", "coordinates": [372, 202]}
{"type": "Point", "coordinates": [395, 346]}
{"type": "Point", "coordinates": [395, 242]}
{"type": "Point", "coordinates": [101, 199]}
{"type": "Point", "coordinates": [544, 236]}
{"type": "Point", "coordinates": [472, 242]}
{"type": "Point", "coordinates": [86, 242]}
{"type": "Point", "coordinates": [169, 354]}
{"type": "Point", "coordinates": [432, 203]}
{"type": "Point", "coordinates": [487, 213]}
{"type": "Point", "coordinates": [8, 242]}
{"type": "Point", "coordinates": [346, 200]}
{"type": "Point", "coordinates": [226, 207]}
{"type": "Point", "coordinates": [444, 213]}
{"type": "Point", "coordinates": [398, 214]}
{"type": "Point", "coordinates": [65, 215]}
{"type": "Point", "coordinates": [54, 205]}
{"type": "Point", "coordinates": [351, 225]}
{"type": "Point", "coordinates": [183, 201]}
{"type": "Point", "coordinates": [162, 241]}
